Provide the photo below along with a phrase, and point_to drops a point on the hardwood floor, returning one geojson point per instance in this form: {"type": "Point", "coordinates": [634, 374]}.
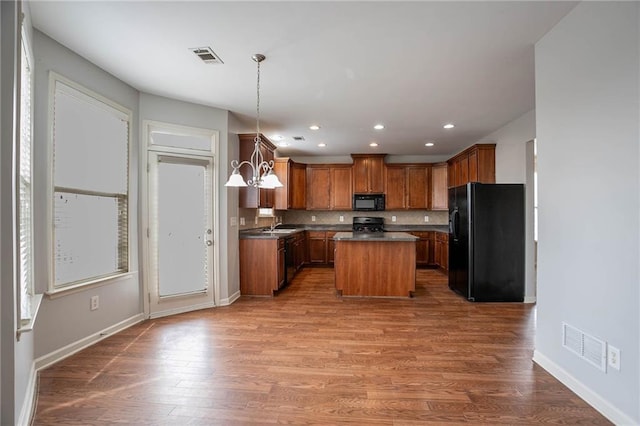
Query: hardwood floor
{"type": "Point", "coordinates": [308, 357]}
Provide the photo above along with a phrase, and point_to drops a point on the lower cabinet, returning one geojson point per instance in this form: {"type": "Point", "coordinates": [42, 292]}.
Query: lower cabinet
{"type": "Point", "coordinates": [320, 246]}
{"type": "Point", "coordinates": [261, 266]}
{"type": "Point", "coordinates": [299, 251]}
{"type": "Point", "coordinates": [424, 256]}
{"type": "Point", "coordinates": [331, 247]}
{"type": "Point", "coordinates": [317, 247]}
{"type": "Point", "coordinates": [441, 250]}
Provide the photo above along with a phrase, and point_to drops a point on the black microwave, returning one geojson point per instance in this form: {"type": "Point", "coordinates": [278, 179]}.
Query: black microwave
{"type": "Point", "coordinates": [368, 202]}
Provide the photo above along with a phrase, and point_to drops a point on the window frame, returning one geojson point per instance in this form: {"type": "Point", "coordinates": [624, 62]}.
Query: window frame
{"type": "Point", "coordinates": [27, 301]}
{"type": "Point", "coordinates": [99, 101]}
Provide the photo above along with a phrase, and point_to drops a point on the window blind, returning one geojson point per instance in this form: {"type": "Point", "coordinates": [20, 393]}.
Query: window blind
{"type": "Point", "coordinates": [91, 153]}
{"type": "Point", "coordinates": [25, 202]}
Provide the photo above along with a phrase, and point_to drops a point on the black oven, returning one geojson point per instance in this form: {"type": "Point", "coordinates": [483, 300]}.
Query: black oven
{"type": "Point", "coordinates": [368, 202]}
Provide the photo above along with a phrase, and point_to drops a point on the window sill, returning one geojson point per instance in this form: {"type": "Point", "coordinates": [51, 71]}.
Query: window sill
{"type": "Point", "coordinates": [77, 288]}
{"type": "Point", "coordinates": [26, 325]}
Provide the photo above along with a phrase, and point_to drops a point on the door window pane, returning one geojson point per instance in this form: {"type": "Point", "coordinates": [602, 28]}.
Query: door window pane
{"type": "Point", "coordinates": [182, 228]}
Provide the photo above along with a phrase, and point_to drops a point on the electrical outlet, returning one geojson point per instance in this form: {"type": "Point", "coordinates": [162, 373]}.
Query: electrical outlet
{"type": "Point", "coordinates": [393, 218]}
{"type": "Point", "coordinates": [426, 218]}
{"type": "Point", "coordinates": [256, 220]}
{"type": "Point", "coordinates": [95, 303]}
{"type": "Point", "coordinates": [234, 221]}
{"type": "Point", "coordinates": [313, 218]}
{"type": "Point", "coordinates": [613, 357]}
{"type": "Point", "coordinates": [341, 218]}
{"type": "Point", "coordinates": [242, 221]}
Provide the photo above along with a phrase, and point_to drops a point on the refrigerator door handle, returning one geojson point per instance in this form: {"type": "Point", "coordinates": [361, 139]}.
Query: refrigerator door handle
{"type": "Point", "coordinates": [454, 224]}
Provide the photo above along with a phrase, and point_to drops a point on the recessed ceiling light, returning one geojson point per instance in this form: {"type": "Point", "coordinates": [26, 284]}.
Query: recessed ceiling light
{"type": "Point", "coordinates": [373, 144]}
{"type": "Point", "coordinates": [277, 137]}
{"type": "Point", "coordinates": [314, 127]}
{"type": "Point", "coordinates": [322, 145]}
{"type": "Point", "coordinates": [429, 144]}
{"type": "Point", "coordinates": [449, 126]}
{"type": "Point", "coordinates": [379, 126]}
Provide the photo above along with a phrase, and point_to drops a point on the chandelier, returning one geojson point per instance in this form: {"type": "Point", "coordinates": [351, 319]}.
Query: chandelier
{"type": "Point", "coordinates": [262, 175]}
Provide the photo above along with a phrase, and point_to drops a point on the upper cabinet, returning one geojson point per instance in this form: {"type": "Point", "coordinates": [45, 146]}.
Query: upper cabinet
{"type": "Point", "coordinates": [475, 164]}
{"type": "Point", "coordinates": [329, 187]}
{"type": "Point", "coordinates": [250, 197]}
{"type": "Point", "coordinates": [439, 195]}
{"type": "Point", "coordinates": [407, 186]}
{"type": "Point", "coordinates": [293, 177]}
{"type": "Point", "coordinates": [368, 173]}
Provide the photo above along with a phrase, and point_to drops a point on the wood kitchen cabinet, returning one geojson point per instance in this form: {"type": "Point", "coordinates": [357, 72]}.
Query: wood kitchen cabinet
{"type": "Point", "coordinates": [475, 164]}
{"type": "Point", "coordinates": [439, 188]}
{"type": "Point", "coordinates": [424, 249]}
{"type": "Point", "coordinates": [329, 187]}
{"type": "Point", "coordinates": [331, 246]}
{"type": "Point", "coordinates": [321, 247]}
{"type": "Point", "coordinates": [299, 250]}
{"type": "Point", "coordinates": [261, 266]}
{"type": "Point", "coordinates": [317, 247]}
{"type": "Point", "coordinates": [318, 187]}
{"type": "Point", "coordinates": [368, 173]}
{"type": "Point", "coordinates": [407, 186]}
{"type": "Point", "coordinates": [441, 250]}
{"type": "Point", "coordinates": [250, 197]}
{"type": "Point", "coordinates": [341, 188]}
{"type": "Point", "coordinates": [293, 177]}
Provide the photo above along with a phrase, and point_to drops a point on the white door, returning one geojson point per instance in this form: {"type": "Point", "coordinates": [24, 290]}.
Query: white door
{"type": "Point", "coordinates": [181, 238]}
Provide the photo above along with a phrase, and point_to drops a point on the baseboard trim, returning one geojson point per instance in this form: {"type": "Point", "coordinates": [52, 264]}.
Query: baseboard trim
{"type": "Point", "coordinates": [530, 299]}
{"type": "Point", "coordinates": [229, 300]}
{"type": "Point", "coordinates": [592, 398]}
{"type": "Point", "coordinates": [26, 412]}
{"type": "Point", "coordinates": [181, 310]}
{"type": "Point", "coordinates": [66, 351]}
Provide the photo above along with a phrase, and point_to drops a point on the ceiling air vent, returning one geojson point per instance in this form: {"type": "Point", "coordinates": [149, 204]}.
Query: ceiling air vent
{"type": "Point", "coordinates": [207, 55]}
{"type": "Point", "coordinates": [298, 138]}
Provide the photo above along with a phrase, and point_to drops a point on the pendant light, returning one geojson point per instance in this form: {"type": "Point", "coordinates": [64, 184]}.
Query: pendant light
{"type": "Point", "coordinates": [262, 175]}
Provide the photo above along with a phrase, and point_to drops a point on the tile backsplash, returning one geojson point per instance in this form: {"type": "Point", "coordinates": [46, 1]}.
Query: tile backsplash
{"type": "Point", "coordinates": [305, 217]}
{"type": "Point", "coordinates": [403, 217]}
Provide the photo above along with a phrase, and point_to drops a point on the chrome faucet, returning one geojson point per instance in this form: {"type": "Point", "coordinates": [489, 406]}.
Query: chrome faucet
{"type": "Point", "coordinates": [274, 225]}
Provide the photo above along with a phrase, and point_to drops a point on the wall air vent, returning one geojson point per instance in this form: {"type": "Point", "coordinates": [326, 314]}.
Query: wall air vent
{"type": "Point", "coordinates": [585, 346]}
{"type": "Point", "coordinates": [298, 138]}
{"type": "Point", "coordinates": [207, 55]}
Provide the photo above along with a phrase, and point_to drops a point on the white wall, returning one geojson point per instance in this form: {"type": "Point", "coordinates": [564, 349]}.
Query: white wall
{"type": "Point", "coordinates": [67, 319]}
{"type": "Point", "coordinates": [587, 107]}
{"type": "Point", "coordinates": [510, 143]}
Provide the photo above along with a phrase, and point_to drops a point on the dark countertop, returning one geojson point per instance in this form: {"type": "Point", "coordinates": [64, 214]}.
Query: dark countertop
{"type": "Point", "coordinates": [286, 230]}
{"type": "Point", "coordinates": [374, 236]}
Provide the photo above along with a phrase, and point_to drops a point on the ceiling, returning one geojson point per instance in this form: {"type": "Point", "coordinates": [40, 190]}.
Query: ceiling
{"type": "Point", "coordinates": [346, 66]}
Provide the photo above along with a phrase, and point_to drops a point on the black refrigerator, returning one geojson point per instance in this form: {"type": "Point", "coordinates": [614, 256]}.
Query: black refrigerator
{"type": "Point", "coordinates": [486, 242]}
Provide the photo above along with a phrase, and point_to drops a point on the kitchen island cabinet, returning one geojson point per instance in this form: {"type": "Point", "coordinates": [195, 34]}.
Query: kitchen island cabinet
{"type": "Point", "coordinates": [382, 264]}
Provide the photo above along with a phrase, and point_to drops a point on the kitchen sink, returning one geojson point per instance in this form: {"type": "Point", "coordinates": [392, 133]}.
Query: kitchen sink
{"type": "Point", "coordinates": [279, 231]}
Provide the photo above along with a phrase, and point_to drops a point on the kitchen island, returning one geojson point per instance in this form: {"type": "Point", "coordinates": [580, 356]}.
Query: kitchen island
{"type": "Point", "coordinates": [375, 264]}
